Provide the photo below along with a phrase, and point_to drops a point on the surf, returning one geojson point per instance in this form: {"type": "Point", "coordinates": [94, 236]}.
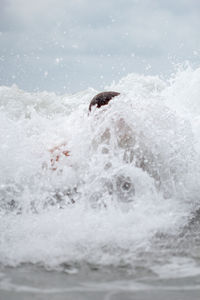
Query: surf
{"type": "Point", "coordinates": [132, 173]}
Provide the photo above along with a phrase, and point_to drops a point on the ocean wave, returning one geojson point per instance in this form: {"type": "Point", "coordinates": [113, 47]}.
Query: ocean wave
{"type": "Point", "coordinates": [132, 170]}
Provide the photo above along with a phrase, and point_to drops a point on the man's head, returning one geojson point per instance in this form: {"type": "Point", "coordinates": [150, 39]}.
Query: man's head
{"type": "Point", "coordinates": [102, 99]}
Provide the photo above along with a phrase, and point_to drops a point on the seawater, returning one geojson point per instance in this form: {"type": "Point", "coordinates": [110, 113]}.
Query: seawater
{"type": "Point", "coordinates": [128, 194]}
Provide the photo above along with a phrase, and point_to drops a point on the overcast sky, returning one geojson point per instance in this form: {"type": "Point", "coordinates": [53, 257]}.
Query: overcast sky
{"type": "Point", "coordinates": [69, 45]}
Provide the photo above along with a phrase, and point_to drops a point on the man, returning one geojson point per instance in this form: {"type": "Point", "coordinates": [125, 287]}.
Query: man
{"type": "Point", "coordinates": [98, 101]}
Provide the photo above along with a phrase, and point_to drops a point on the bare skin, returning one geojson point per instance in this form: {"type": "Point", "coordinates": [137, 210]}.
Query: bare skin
{"type": "Point", "coordinates": [56, 153]}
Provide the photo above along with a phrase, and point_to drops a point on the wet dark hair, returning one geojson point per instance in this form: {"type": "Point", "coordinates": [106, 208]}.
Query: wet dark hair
{"type": "Point", "coordinates": [102, 99]}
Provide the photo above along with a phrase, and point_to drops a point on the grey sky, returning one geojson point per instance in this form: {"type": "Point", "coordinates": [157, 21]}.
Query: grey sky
{"type": "Point", "coordinates": [69, 45]}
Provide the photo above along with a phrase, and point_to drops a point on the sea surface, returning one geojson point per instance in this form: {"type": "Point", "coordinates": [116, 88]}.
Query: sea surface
{"type": "Point", "coordinates": [119, 217]}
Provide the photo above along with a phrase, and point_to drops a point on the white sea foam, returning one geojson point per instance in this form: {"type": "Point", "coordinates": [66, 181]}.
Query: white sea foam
{"type": "Point", "coordinates": [132, 172]}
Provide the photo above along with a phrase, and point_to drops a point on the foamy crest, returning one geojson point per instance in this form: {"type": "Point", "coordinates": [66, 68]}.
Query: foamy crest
{"type": "Point", "coordinates": [132, 172]}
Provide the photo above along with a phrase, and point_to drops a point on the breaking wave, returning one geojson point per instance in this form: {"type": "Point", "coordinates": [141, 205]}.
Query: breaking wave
{"type": "Point", "coordinates": [130, 180]}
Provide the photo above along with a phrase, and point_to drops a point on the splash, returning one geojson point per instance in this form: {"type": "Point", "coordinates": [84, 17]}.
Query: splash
{"type": "Point", "coordinates": [131, 174]}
